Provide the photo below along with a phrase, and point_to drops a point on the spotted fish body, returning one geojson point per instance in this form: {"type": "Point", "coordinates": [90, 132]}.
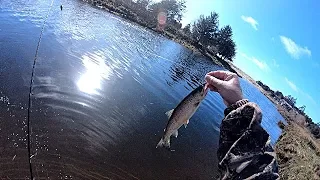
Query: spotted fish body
{"type": "Point", "coordinates": [182, 113]}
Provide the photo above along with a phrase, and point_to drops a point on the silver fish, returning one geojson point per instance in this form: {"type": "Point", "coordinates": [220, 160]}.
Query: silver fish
{"type": "Point", "coordinates": [181, 114]}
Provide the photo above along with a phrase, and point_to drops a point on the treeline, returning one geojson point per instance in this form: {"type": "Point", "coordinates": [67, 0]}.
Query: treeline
{"type": "Point", "coordinates": [313, 127]}
{"type": "Point", "coordinates": [204, 33]}
{"type": "Point", "coordinates": [288, 99]}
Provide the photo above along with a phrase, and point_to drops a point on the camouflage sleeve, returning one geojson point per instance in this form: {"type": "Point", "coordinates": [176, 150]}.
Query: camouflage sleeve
{"type": "Point", "coordinates": [244, 150]}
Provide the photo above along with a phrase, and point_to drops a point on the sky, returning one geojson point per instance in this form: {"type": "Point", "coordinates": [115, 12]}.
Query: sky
{"type": "Point", "coordinates": [276, 42]}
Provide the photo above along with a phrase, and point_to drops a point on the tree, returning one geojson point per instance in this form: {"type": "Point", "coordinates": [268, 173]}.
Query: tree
{"type": "Point", "coordinates": [225, 43]}
{"type": "Point", "coordinates": [302, 109]}
{"type": "Point", "coordinates": [279, 94]}
{"type": "Point", "coordinates": [213, 26]}
{"type": "Point", "coordinates": [143, 4]}
{"type": "Point", "coordinates": [187, 30]}
{"type": "Point", "coordinates": [205, 29]}
{"type": "Point", "coordinates": [291, 100]}
{"type": "Point", "coordinates": [174, 8]}
{"type": "Point", "coordinates": [260, 83]}
{"type": "Point", "coordinates": [141, 8]}
{"type": "Point", "coordinates": [198, 30]}
{"type": "Point", "coordinates": [228, 50]}
{"type": "Point", "coordinates": [206, 32]}
{"type": "Point", "coordinates": [308, 119]}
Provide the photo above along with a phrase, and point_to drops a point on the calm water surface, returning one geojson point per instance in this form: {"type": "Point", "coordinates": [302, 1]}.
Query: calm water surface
{"type": "Point", "coordinates": [101, 89]}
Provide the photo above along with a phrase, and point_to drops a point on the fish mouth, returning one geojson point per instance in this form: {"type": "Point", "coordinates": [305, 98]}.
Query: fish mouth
{"type": "Point", "coordinates": [205, 89]}
{"type": "Point", "coordinates": [202, 90]}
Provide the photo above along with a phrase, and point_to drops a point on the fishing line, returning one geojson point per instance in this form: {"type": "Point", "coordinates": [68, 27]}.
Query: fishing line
{"type": "Point", "coordinates": [30, 90]}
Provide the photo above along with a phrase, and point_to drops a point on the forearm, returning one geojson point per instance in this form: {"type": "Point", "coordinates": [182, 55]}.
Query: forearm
{"type": "Point", "coordinates": [244, 147]}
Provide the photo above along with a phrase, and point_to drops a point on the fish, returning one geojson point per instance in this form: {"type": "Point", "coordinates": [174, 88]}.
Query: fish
{"type": "Point", "coordinates": [180, 115]}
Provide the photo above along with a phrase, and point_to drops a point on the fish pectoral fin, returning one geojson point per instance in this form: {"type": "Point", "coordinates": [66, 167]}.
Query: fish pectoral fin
{"type": "Point", "coordinates": [175, 133]}
{"type": "Point", "coordinates": [186, 123]}
{"type": "Point", "coordinates": [169, 113]}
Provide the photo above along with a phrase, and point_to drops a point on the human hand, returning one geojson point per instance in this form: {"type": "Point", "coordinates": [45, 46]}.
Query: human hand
{"type": "Point", "coordinates": [226, 84]}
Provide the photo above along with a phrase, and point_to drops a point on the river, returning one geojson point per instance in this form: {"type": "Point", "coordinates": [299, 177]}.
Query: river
{"type": "Point", "coordinates": [101, 87]}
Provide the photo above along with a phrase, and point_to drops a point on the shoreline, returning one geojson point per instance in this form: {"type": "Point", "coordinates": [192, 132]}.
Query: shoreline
{"type": "Point", "coordinates": [131, 17]}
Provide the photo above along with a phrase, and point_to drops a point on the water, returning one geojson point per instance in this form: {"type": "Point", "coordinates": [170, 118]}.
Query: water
{"type": "Point", "coordinates": [101, 89]}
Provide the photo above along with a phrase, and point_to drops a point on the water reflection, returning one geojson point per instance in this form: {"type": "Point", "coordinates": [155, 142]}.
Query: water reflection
{"type": "Point", "coordinates": [191, 69]}
{"type": "Point", "coordinates": [96, 71]}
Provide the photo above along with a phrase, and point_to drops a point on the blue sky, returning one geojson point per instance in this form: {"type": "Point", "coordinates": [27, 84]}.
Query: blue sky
{"type": "Point", "coordinates": [276, 43]}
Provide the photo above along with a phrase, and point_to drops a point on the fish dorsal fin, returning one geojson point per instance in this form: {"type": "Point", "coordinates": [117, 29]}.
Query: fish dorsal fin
{"type": "Point", "coordinates": [186, 123]}
{"type": "Point", "coordinates": [169, 113]}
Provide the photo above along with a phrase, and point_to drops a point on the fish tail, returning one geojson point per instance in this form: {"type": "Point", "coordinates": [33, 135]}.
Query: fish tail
{"type": "Point", "coordinates": [164, 143]}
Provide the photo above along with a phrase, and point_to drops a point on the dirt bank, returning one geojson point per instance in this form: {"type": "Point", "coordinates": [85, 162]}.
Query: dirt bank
{"type": "Point", "coordinates": [298, 154]}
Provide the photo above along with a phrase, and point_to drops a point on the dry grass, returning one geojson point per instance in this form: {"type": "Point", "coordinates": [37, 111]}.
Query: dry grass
{"type": "Point", "coordinates": [298, 154]}
{"type": "Point", "coordinates": [291, 116]}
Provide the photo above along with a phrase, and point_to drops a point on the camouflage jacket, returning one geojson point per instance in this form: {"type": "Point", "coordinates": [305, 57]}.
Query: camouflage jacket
{"type": "Point", "coordinates": [244, 150]}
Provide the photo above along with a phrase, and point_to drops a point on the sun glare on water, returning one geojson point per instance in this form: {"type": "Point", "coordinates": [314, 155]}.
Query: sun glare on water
{"type": "Point", "coordinates": [96, 72]}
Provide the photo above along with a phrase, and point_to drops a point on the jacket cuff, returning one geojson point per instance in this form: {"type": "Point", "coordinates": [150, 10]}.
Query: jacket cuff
{"type": "Point", "coordinates": [235, 106]}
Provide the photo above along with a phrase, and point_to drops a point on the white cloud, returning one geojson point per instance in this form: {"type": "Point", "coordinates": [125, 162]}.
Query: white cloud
{"type": "Point", "coordinates": [245, 55]}
{"type": "Point", "coordinates": [295, 50]}
{"type": "Point", "coordinates": [292, 85]}
{"type": "Point", "coordinates": [275, 64]}
{"type": "Point", "coordinates": [251, 21]}
{"type": "Point", "coordinates": [310, 98]}
{"type": "Point", "coordinates": [261, 64]}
